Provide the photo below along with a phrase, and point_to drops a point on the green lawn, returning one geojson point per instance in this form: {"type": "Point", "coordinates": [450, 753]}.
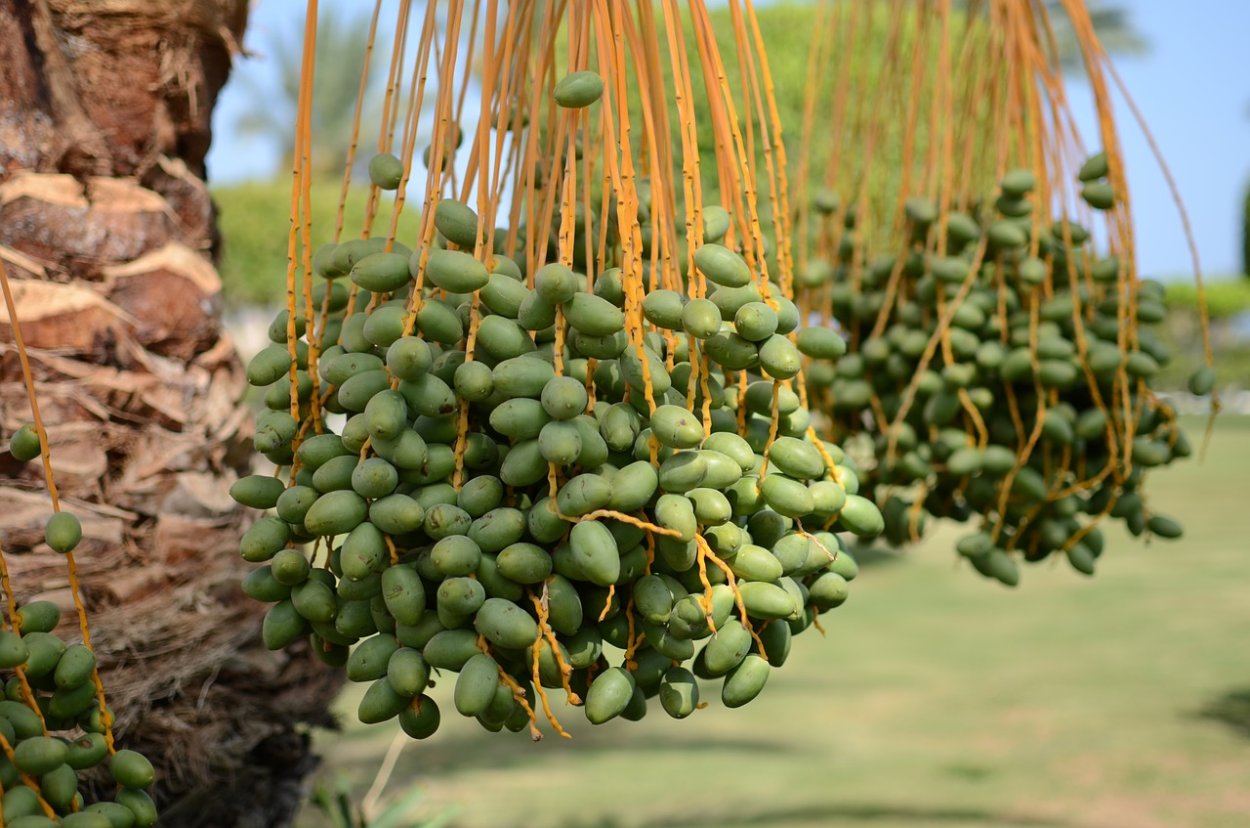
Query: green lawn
{"type": "Point", "coordinates": [937, 699]}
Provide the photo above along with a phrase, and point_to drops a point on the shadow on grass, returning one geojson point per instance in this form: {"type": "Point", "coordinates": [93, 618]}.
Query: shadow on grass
{"type": "Point", "coordinates": [1231, 709]}
{"type": "Point", "coordinates": [836, 814]}
{"type": "Point", "coordinates": [487, 752]}
{"type": "Point", "coordinates": [876, 555]}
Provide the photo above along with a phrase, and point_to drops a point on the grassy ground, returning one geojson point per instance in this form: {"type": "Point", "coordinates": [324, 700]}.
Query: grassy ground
{"type": "Point", "coordinates": [937, 699]}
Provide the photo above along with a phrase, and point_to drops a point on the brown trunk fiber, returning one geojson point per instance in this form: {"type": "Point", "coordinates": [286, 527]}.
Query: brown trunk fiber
{"type": "Point", "coordinates": [107, 233]}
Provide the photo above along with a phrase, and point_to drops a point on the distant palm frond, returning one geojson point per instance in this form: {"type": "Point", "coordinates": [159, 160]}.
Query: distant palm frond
{"type": "Point", "coordinates": [342, 40]}
{"type": "Point", "coordinates": [1112, 23]}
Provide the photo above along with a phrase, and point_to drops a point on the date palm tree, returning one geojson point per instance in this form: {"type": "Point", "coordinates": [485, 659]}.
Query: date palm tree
{"type": "Point", "coordinates": [107, 233]}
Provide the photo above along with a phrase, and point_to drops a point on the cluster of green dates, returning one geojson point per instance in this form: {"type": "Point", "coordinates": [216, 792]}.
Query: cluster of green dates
{"type": "Point", "coordinates": [44, 767]}
{"type": "Point", "coordinates": [50, 752]}
{"type": "Point", "coordinates": [1023, 352]}
{"type": "Point", "coordinates": [516, 522]}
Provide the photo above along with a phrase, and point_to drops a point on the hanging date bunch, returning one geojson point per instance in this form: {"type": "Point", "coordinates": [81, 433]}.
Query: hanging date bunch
{"type": "Point", "coordinates": [57, 742]}
{"type": "Point", "coordinates": [981, 264]}
{"type": "Point", "coordinates": [558, 442]}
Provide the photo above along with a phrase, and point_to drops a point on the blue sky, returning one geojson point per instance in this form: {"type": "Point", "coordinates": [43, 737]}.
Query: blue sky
{"type": "Point", "coordinates": [1193, 88]}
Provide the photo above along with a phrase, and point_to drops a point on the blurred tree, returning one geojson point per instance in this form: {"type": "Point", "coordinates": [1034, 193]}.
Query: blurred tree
{"type": "Point", "coordinates": [1112, 22]}
{"type": "Point", "coordinates": [1245, 234]}
{"type": "Point", "coordinates": [1245, 226]}
{"type": "Point", "coordinates": [342, 40]}
{"type": "Point", "coordinates": [787, 29]}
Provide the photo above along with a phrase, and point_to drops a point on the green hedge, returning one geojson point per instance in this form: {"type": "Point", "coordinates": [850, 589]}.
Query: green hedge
{"type": "Point", "coordinates": [254, 221]}
{"type": "Point", "coordinates": [1226, 297]}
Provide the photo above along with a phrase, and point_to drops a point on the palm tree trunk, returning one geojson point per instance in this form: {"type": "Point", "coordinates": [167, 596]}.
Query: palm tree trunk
{"type": "Point", "coordinates": [108, 235]}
